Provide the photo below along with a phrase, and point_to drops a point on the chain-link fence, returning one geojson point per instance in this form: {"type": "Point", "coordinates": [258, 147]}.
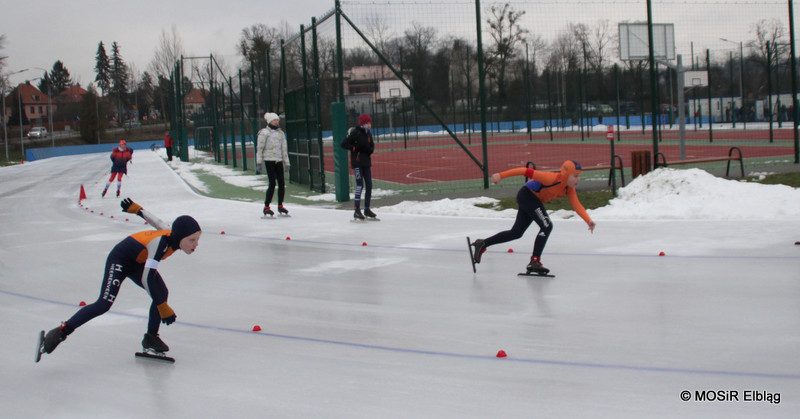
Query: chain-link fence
{"type": "Point", "coordinates": [460, 89]}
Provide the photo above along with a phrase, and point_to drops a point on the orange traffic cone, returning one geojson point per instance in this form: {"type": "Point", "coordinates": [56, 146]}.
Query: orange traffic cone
{"type": "Point", "coordinates": [83, 194]}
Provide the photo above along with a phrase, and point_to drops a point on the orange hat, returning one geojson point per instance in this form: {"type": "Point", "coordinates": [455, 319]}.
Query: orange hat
{"type": "Point", "coordinates": [570, 167]}
{"type": "Point", "coordinates": [122, 142]}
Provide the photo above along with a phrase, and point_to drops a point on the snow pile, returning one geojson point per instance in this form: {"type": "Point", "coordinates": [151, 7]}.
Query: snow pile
{"type": "Point", "coordinates": [695, 194]}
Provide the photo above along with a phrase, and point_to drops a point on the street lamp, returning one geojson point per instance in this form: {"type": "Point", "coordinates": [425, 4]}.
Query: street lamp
{"type": "Point", "coordinates": [741, 76]}
{"type": "Point", "coordinates": [3, 96]}
{"type": "Point", "coordinates": [49, 106]}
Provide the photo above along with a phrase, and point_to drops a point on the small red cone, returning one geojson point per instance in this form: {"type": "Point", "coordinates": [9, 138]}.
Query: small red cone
{"type": "Point", "coordinates": [510, 250]}
{"type": "Point", "coordinates": [364, 244]}
{"type": "Point", "coordinates": [256, 328]}
{"type": "Point", "coordinates": [288, 238]}
{"type": "Point", "coordinates": [501, 354]}
{"type": "Point", "coordinates": [222, 232]}
{"type": "Point", "coordinates": [111, 216]}
{"type": "Point", "coordinates": [82, 196]}
{"type": "Point", "coordinates": [82, 303]}
{"type": "Point", "coordinates": [662, 254]}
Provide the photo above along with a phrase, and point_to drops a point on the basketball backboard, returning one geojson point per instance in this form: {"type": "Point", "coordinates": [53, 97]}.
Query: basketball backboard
{"type": "Point", "coordinates": [393, 89]}
{"type": "Point", "coordinates": [695, 79]}
{"type": "Point", "coordinates": [634, 41]}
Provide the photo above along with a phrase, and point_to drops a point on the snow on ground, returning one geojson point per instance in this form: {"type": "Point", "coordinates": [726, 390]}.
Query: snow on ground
{"type": "Point", "coordinates": [664, 193]}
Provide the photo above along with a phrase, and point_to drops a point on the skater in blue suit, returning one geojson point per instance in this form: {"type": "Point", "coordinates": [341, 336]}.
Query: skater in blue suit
{"type": "Point", "coordinates": [136, 257]}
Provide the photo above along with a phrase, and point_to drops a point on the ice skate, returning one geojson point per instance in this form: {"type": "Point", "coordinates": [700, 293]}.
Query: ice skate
{"type": "Point", "coordinates": [50, 341]}
{"type": "Point", "coordinates": [535, 267]}
{"type": "Point", "coordinates": [369, 214]}
{"type": "Point", "coordinates": [480, 248]}
{"type": "Point", "coordinates": [282, 210]}
{"type": "Point", "coordinates": [153, 344]}
{"type": "Point", "coordinates": [153, 348]}
{"type": "Point", "coordinates": [357, 215]}
{"type": "Point", "coordinates": [268, 211]}
{"type": "Point", "coordinates": [117, 193]}
{"type": "Point", "coordinates": [104, 193]}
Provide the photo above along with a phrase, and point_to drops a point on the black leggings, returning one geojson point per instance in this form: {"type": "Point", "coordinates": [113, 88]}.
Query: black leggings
{"type": "Point", "coordinates": [116, 272]}
{"type": "Point", "coordinates": [530, 209]}
{"type": "Point", "coordinates": [363, 183]}
{"type": "Point", "coordinates": [275, 173]}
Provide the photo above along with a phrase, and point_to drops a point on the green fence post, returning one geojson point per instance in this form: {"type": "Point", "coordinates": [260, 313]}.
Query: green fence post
{"type": "Point", "coordinates": [340, 166]}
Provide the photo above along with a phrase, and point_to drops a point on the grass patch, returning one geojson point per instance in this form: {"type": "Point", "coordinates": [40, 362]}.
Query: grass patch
{"type": "Point", "coordinates": [791, 179]}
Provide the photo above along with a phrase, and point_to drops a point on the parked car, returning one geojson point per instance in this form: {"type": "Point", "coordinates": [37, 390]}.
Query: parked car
{"type": "Point", "coordinates": [37, 132]}
{"type": "Point", "coordinates": [628, 108]}
{"type": "Point", "coordinates": [604, 109]}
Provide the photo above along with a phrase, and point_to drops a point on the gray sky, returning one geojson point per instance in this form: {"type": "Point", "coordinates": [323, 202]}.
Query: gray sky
{"type": "Point", "coordinates": [40, 32]}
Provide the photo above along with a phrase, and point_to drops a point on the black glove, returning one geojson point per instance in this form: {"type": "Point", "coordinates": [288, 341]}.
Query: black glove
{"type": "Point", "coordinates": [129, 206]}
{"type": "Point", "coordinates": [169, 320]}
{"type": "Point", "coordinates": [167, 313]}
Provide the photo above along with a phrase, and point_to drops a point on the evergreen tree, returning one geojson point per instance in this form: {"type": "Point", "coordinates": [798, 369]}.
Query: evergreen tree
{"type": "Point", "coordinates": [103, 68]}
{"type": "Point", "coordinates": [13, 119]}
{"type": "Point", "coordinates": [119, 78]}
{"type": "Point", "coordinates": [59, 76]}
{"type": "Point", "coordinates": [92, 116]}
{"type": "Point", "coordinates": [45, 85]}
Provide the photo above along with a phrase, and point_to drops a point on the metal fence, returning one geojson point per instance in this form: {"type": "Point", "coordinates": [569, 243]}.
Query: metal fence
{"type": "Point", "coordinates": [460, 89]}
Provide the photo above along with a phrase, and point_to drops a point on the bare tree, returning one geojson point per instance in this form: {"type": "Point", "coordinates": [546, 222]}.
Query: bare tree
{"type": "Point", "coordinates": [507, 34]}
{"type": "Point", "coordinates": [169, 51]}
{"type": "Point", "coordinates": [769, 31]}
{"type": "Point", "coordinates": [3, 79]}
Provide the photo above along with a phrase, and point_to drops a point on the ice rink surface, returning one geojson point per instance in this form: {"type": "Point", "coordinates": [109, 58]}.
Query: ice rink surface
{"type": "Point", "coordinates": [386, 319]}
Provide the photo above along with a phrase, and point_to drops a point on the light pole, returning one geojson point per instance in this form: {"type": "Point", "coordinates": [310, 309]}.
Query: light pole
{"type": "Point", "coordinates": [3, 97]}
{"type": "Point", "coordinates": [49, 106]}
{"type": "Point", "coordinates": [741, 76]}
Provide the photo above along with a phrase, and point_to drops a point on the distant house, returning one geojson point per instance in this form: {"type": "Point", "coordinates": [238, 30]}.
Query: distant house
{"type": "Point", "coordinates": [195, 101]}
{"type": "Point", "coordinates": [34, 103]}
{"type": "Point", "coordinates": [74, 94]}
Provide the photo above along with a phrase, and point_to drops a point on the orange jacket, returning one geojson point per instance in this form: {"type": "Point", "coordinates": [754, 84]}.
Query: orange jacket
{"type": "Point", "coordinates": [549, 185]}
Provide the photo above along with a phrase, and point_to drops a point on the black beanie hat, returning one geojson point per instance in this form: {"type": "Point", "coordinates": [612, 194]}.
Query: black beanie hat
{"type": "Point", "coordinates": [182, 227]}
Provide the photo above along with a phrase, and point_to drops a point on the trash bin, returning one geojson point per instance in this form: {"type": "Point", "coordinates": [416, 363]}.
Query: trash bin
{"type": "Point", "coordinates": [640, 163]}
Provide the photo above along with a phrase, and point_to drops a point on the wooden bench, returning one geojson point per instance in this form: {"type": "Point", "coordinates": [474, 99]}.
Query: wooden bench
{"type": "Point", "coordinates": [730, 158]}
{"type": "Point", "coordinates": [617, 165]}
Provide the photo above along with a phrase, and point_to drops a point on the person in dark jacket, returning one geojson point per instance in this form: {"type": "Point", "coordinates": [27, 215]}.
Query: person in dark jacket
{"type": "Point", "coordinates": [120, 156]}
{"type": "Point", "coordinates": [361, 147]}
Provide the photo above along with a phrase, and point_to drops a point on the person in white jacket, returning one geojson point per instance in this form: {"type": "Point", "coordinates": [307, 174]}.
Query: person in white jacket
{"type": "Point", "coordinates": [272, 152]}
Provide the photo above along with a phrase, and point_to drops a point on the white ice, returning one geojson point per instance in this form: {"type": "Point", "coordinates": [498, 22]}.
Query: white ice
{"type": "Point", "coordinates": [401, 327]}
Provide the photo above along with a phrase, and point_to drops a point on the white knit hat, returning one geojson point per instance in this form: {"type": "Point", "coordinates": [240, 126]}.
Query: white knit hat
{"type": "Point", "coordinates": [269, 117]}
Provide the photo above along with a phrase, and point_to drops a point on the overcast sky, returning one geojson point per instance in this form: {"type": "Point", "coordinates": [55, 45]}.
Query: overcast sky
{"type": "Point", "coordinates": [40, 32]}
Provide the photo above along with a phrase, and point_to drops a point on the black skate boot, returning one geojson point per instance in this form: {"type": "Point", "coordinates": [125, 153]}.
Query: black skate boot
{"type": "Point", "coordinates": [369, 214]}
{"type": "Point", "coordinates": [56, 336]}
{"type": "Point", "coordinates": [268, 211]}
{"type": "Point", "coordinates": [535, 267]}
{"type": "Point", "coordinates": [153, 344]}
{"type": "Point", "coordinates": [102, 195]}
{"type": "Point", "coordinates": [117, 193]}
{"type": "Point", "coordinates": [480, 248]}
{"type": "Point", "coordinates": [282, 210]}
{"type": "Point", "coordinates": [357, 215]}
